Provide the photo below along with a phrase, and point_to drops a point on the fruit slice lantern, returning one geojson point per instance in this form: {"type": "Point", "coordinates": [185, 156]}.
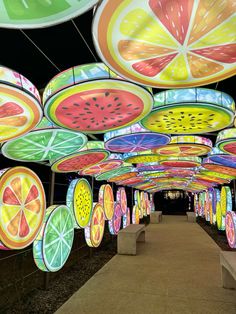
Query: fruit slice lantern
{"type": "Point", "coordinates": [20, 108]}
{"type": "Point", "coordinates": [146, 156]}
{"type": "Point", "coordinates": [122, 177]}
{"type": "Point", "coordinates": [183, 43]}
{"type": "Point", "coordinates": [223, 159]}
{"type": "Point", "coordinates": [114, 161]}
{"type": "Point", "coordinates": [190, 111]}
{"type": "Point", "coordinates": [213, 177]}
{"type": "Point", "coordinates": [220, 169]}
{"type": "Point", "coordinates": [133, 139]}
{"type": "Point", "coordinates": [152, 166]}
{"type": "Point", "coordinates": [106, 199]}
{"type": "Point", "coordinates": [135, 215]}
{"type": "Point", "coordinates": [53, 244]}
{"type": "Point", "coordinates": [183, 162]}
{"type": "Point", "coordinates": [115, 223]}
{"type": "Point", "coordinates": [226, 141]}
{"type": "Point", "coordinates": [22, 208]}
{"type": "Point", "coordinates": [132, 181]}
{"type": "Point", "coordinates": [126, 218]}
{"type": "Point", "coordinates": [122, 200]}
{"type": "Point", "coordinates": [226, 200]}
{"type": "Point", "coordinates": [95, 103]}
{"type": "Point", "coordinates": [44, 144]}
{"type": "Point", "coordinates": [95, 230]}
{"type": "Point", "coordinates": [113, 173]}
{"type": "Point", "coordinates": [219, 218]}
{"type": "Point", "coordinates": [80, 200]}
{"type": "Point", "coordinates": [37, 14]}
{"type": "Point", "coordinates": [230, 228]}
{"type": "Point", "coordinates": [184, 146]}
{"type": "Point", "coordinates": [92, 153]}
{"type": "Point", "coordinates": [143, 203]}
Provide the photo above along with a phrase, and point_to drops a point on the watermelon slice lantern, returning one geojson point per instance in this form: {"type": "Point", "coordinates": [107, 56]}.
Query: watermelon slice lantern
{"type": "Point", "coordinates": [97, 104]}
{"type": "Point", "coordinates": [190, 111]}
{"type": "Point", "coordinates": [184, 43]}
{"type": "Point", "coordinates": [226, 141]}
{"type": "Point", "coordinates": [183, 162]}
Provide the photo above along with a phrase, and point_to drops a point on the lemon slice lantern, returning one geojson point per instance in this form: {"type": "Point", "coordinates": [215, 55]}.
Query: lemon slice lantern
{"type": "Point", "coordinates": [135, 215]}
{"type": "Point", "coordinates": [22, 207]}
{"type": "Point", "coordinates": [53, 244]}
{"type": "Point", "coordinates": [190, 111]}
{"type": "Point", "coordinates": [167, 44]}
{"type": "Point", "coordinates": [106, 199]}
{"type": "Point", "coordinates": [20, 108]}
{"type": "Point", "coordinates": [95, 230]}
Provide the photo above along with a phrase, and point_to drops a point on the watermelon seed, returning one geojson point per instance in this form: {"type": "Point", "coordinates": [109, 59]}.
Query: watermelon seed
{"type": "Point", "coordinates": [112, 112]}
{"type": "Point", "coordinates": [109, 105]}
{"type": "Point", "coordinates": [105, 118]}
{"type": "Point", "coordinates": [75, 104]}
{"type": "Point", "coordinates": [117, 109]}
{"type": "Point", "coordinates": [116, 98]}
{"type": "Point", "coordinates": [97, 105]}
{"type": "Point", "coordinates": [102, 108]}
{"type": "Point", "coordinates": [136, 108]}
{"type": "Point", "coordinates": [129, 105]}
{"type": "Point", "coordinates": [89, 112]}
{"type": "Point", "coordinates": [86, 108]}
{"type": "Point", "coordinates": [85, 119]}
{"type": "Point", "coordinates": [78, 127]}
{"type": "Point", "coordinates": [107, 94]}
{"type": "Point", "coordinates": [68, 114]}
{"type": "Point", "coordinates": [64, 107]}
{"type": "Point", "coordinates": [94, 98]}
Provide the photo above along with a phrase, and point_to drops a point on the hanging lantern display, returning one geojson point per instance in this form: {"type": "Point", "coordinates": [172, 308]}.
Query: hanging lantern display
{"type": "Point", "coordinates": [95, 229]}
{"type": "Point", "coordinates": [85, 98]}
{"type": "Point", "coordinates": [230, 228]}
{"type": "Point", "coordinates": [54, 242]}
{"type": "Point", "coordinates": [132, 181]}
{"type": "Point", "coordinates": [115, 223]}
{"type": "Point", "coordinates": [152, 166]}
{"type": "Point", "coordinates": [143, 203]}
{"type": "Point", "coordinates": [185, 162]}
{"type": "Point", "coordinates": [196, 204]}
{"type": "Point", "coordinates": [223, 159]}
{"type": "Point", "coordinates": [114, 161]}
{"type": "Point", "coordinates": [207, 206]}
{"type": "Point", "coordinates": [155, 174]}
{"type": "Point", "coordinates": [37, 14]}
{"type": "Point", "coordinates": [79, 199]}
{"type": "Point", "coordinates": [145, 186]}
{"type": "Point", "coordinates": [44, 144]}
{"type": "Point", "coordinates": [106, 199]}
{"type": "Point", "coordinates": [121, 198]}
{"type": "Point", "coordinates": [20, 105]}
{"type": "Point", "coordinates": [184, 146]}
{"type": "Point", "coordinates": [190, 111]}
{"type": "Point", "coordinates": [92, 153]}
{"type": "Point", "coordinates": [141, 157]}
{"type": "Point", "coordinates": [124, 176]}
{"type": "Point", "coordinates": [22, 207]}
{"type": "Point", "coordinates": [126, 218]}
{"type": "Point", "coordinates": [214, 174]}
{"type": "Point", "coordinates": [148, 203]}
{"type": "Point", "coordinates": [135, 215]}
{"type": "Point", "coordinates": [209, 177]}
{"type": "Point", "coordinates": [182, 43]}
{"type": "Point", "coordinates": [201, 203]}
{"type": "Point", "coordinates": [220, 169]}
{"type": "Point", "coordinates": [226, 141]}
{"type": "Point", "coordinates": [220, 222]}
{"type": "Point", "coordinates": [114, 173]}
{"type": "Point", "coordinates": [133, 139]}
{"type": "Point", "coordinates": [226, 200]}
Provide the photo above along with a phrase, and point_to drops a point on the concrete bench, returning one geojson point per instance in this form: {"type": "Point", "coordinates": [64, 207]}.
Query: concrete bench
{"type": "Point", "coordinates": [156, 217]}
{"type": "Point", "coordinates": [228, 269]}
{"type": "Point", "coordinates": [191, 216]}
{"type": "Point", "coordinates": [127, 238]}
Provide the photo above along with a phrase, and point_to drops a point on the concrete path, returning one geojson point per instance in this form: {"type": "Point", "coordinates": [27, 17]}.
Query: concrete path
{"type": "Point", "coordinates": [177, 270]}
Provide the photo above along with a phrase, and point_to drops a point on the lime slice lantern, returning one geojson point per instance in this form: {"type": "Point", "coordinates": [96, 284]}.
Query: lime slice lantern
{"type": "Point", "coordinates": [94, 103]}
{"type": "Point", "coordinates": [122, 200]}
{"type": "Point", "coordinates": [170, 44]}
{"type": "Point", "coordinates": [53, 244]}
{"type": "Point", "coordinates": [44, 144]}
{"type": "Point", "coordinates": [80, 201]}
{"type": "Point", "coordinates": [190, 111]}
{"type": "Point", "coordinates": [106, 199]}
{"type": "Point", "coordinates": [43, 13]}
{"type": "Point", "coordinates": [226, 141]}
{"type": "Point", "coordinates": [20, 108]}
{"type": "Point", "coordinates": [115, 223]}
{"type": "Point", "coordinates": [133, 139]}
{"type": "Point", "coordinates": [95, 230]}
{"type": "Point", "coordinates": [92, 153]}
{"type": "Point", "coordinates": [22, 207]}
{"type": "Point", "coordinates": [185, 162]}
{"type": "Point", "coordinates": [230, 228]}
{"type": "Point", "coordinates": [114, 173]}
{"type": "Point", "coordinates": [184, 146]}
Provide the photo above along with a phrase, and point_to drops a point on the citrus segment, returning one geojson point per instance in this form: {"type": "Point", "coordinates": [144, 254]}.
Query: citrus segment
{"type": "Point", "coordinates": [95, 230]}
{"type": "Point", "coordinates": [104, 166]}
{"type": "Point", "coordinates": [23, 207]}
{"type": "Point", "coordinates": [106, 199]}
{"type": "Point", "coordinates": [225, 54]}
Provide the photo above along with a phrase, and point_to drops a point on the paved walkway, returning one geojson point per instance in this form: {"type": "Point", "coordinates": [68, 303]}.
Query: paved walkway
{"type": "Point", "coordinates": [177, 270]}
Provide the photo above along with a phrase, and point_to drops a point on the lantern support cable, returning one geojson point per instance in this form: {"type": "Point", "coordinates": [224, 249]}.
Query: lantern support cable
{"type": "Point", "coordinates": [40, 50]}
{"type": "Point", "coordinates": [84, 40]}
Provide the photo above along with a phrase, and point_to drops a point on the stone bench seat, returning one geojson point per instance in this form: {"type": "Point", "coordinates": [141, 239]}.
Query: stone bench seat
{"type": "Point", "coordinates": [127, 238]}
{"type": "Point", "coordinates": [228, 269]}
{"type": "Point", "coordinates": [191, 216]}
{"type": "Point", "coordinates": [156, 217]}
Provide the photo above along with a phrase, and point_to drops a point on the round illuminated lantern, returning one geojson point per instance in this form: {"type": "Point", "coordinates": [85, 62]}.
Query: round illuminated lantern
{"type": "Point", "coordinates": [133, 139]}
{"type": "Point", "coordinates": [39, 14]}
{"type": "Point", "coordinates": [95, 230]}
{"type": "Point", "coordinates": [143, 203]}
{"type": "Point", "coordinates": [20, 105]}
{"type": "Point", "coordinates": [122, 200]}
{"type": "Point", "coordinates": [92, 153]}
{"type": "Point", "coordinates": [190, 111]}
{"type": "Point", "coordinates": [230, 228]}
{"type": "Point", "coordinates": [207, 206]}
{"type": "Point", "coordinates": [22, 207]}
{"type": "Point", "coordinates": [226, 200]}
{"type": "Point", "coordinates": [152, 166]}
{"type": "Point", "coordinates": [114, 173]}
{"type": "Point", "coordinates": [44, 144]}
{"type": "Point", "coordinates": [79, 199]}
{"type": "Point", "coordinates": [135, 215]}
{"type": "Point", "coordinates": [220, 169]}
{"type": "Point", "coordinates": [85, 98]}
{"type": "Point", "coordinates": [182, 44]}
{"type": "Point", "coordinates": [126, 218]}
{"type": "Point", "coordinates": [220, 222]}
{"type": "Point", "coordinates": [106, 199]}
{"type": "Point", "coordinates": [183, 162]}
{"type": "Point", "coordinates": [226, 141]}
{"type": "Point", "coordinates": [53, 244]}
{"type": "Point", "coordinates": [184, 146]}
{"type": "Point", "coordinates": [146, 156]}
{"type": "Point", "coordinates": [124, 176]}
{"type": "Point", "coordinates": [115, 223]}
{"type": "Point", "coordinates": [221, 177]}
{"type": "Point", "coordinates": [132, 181]}
{"type": "Point", "coordinates": [223, 159]}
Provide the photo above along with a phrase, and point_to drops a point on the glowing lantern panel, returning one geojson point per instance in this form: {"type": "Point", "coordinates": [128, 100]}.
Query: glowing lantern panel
{"type": "Point", "coordinates": [115, 223]}
{"type": "Point", "coordinates": [95, 230]}
{"type": "Point", "coordinates": [106, 199]}
{"type": "Point", "coordinates": [230, 225]}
